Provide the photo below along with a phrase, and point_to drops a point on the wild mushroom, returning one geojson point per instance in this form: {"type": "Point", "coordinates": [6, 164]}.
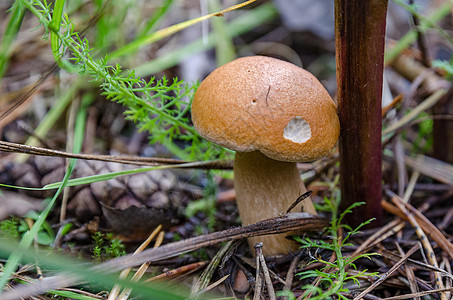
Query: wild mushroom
{"type": "Point", "coordinates": [273, 114]}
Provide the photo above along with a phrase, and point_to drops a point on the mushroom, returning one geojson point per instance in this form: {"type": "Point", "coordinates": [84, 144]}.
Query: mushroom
{"type": "Point", "coordinates": [273, 114]}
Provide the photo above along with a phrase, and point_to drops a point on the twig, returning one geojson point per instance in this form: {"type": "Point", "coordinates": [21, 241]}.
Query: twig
{"type": "Point", "coordinates": [419, 294]}
{"type": "Point", "coordinates": [290, 273]}
{"type": "Point", "coordinates": [116, 288]}
{"type": "Point", "coordinates": [448, 281]}
{"type": "Point", "coordinates": [415, 263]}
{"type": "Point", "coordinates": [425, 224]}
{"type": "Point", "coordinates": [267, 277]}
{"type": "Point", "coordinates": [411, 186]}
{"type": "Point", "coordinates": [177, 271]}
{"type": "Point", "coordinates": [207, 274]}
{"type": "Point", "coordinates": [258, 280]}
{"type": "Point", "coordinates": [388, 273]}
{"type": "Point", "coordinates": [299, 199]}
{"type": "Point", "coordinates": [251, 263]}
{"type": "Point", "coordinates": [124, 159]}
{"type": "Point", "coordinates": [287, 223]}
{"type": "Point", "coordinates": [380, 235]}
{"type": "Point", "coordinates": [139, 274]}
{"type": "Point", "coordinates": [212, 285]}
{"type": "Point", "coordinates": [392, 105]}
{"type": "Point", "coordinates": [409, 273]}
{"type": "Point", "coordinates": [425, 105]}
{"type": "Point", "coordinates": [424, 240]}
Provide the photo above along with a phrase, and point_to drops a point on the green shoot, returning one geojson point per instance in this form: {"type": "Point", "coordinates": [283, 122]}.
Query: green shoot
{"type": "Point", "coordinates": [11, 31]}
{"type": "Point", "coordinates": [160, 107]}
{"type": "Point", "coordinates": [30, 235]}
{"type": "Point", "coordinates": [446, 66]}
{"type": "Point", "coordinates": [334, 276]}
{"type": "Point", "coordinates": [106, 247]}
{"type": "Point", "coordinates": [10, 228]}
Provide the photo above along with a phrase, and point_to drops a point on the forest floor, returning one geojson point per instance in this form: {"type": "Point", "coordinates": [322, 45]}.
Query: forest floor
{"type": "Point", "coordinates": [189, 214]}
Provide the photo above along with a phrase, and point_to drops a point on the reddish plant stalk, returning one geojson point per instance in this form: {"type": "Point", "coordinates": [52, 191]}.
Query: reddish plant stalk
{"type": "Point", "coordinates": [443, 130]}
{"type": "Point", "coordinates": [359, 42]}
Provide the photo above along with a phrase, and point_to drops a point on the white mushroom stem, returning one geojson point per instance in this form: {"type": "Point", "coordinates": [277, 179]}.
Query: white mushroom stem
{"type": "Point", "coordinates": [266, 188]}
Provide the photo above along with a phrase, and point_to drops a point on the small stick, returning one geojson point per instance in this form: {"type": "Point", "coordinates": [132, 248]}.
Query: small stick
{"type": "Point", "coordinates": [415, 263]}
{"type": "Point", "coordinates": [425, 224]}
{"type": "Point", "coordinates": [395, 101]}
{"type": "Point", "coordinates": [205, 278]}
{"type": "Point", "coordinates": [177, 271]}
{"type": "Point", "coordinates": [299, 199]}
{"type": "Point", "coordinates": [380, 235]}
{"type": "Point", "coordinates": [291, 270]}
{"type": "Point", "coordinates": [253, 265]}
{"type": "Point", "coordinates": [448, 283]}
{"type": "Point", "coordinates": [139, 274]}
{"type": "Point", "coordinates": [124, 159]}
{"type": "Point", "coordinates": [267, 277]}
{"type": "Point", "coordinates": [445, 265]}
{"type": "Point", "coordinates": [286, 223]}
{"type": "Point", "coordinates": [258, 280]}
{"type": "Point", "coordinates": [116, 288]}
{"type": "Point", "coordinates": [420, 294]}
{"type": "Point", "coordinates": [388, 273]}
{"type": "Point", "coordinates": [425, 242]}
{"type": "Point", "coordinates": [212, 285]}
{"type": "Point", "coordinates": [409, 273]}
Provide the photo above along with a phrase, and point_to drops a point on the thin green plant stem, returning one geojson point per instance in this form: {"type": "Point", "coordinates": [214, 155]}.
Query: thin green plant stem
{"type": "Point", "coordinates": [156, 18]}
{"type": "Point", "coordinates": [414, 113]}
{"type": "Point", "coordinates": [95, 67]}
{"type": "Point", "coordinates": [71, 295]}
{"type": "Point", "coordinates": [29, 236]}
{"type": "Point", "coordinates": [113, 175]}
{"type": "Point", "coordinates": [102, 29]}
{"type": "Point", "coordinates": [80, 269]}
{"type": "Point", "coordinates": [55, 113]}
{"type": "Point", "coordinates": [56, 24]}
{"type": "Point", "coordinates": [16, 17]}
{"type": "Point", "coordinates": [158, 35]}
{"type": "Point", "coordinates": [335, 272]}
{"type": "Point", "coordinates": [164, 124]}
{"type": "Point", "coordinates": [411, 36]}
{"type": "Point", "coordinates": [246, 22]}
{"type": "Point", "coordinates": [225, 51]}
{"type": "Point", "coordinates": [428, 22]}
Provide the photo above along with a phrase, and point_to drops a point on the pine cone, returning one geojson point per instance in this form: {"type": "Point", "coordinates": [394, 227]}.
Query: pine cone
{"type": "Point", "coordinates": [133, 205]}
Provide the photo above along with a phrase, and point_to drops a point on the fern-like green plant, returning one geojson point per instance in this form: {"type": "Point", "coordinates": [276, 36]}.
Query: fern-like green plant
{"type": "Point", "coordinates": [334, 276]}
{"type": "Point", "coordinates": [160, 107]}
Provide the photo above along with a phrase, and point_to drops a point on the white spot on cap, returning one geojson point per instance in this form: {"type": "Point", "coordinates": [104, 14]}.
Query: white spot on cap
{"type": "Point", "coordinates": [297, 130]}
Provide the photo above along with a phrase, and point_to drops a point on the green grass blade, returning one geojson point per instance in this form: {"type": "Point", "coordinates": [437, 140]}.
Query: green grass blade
{"type": "Point", "coordinates": [81, 269]}
{"type": "Point", "coordinates": [16, 16]}
{"type": "Point", "coordinates": [113, 175]}
{"type": "Point", "coordinates": [51, 118]}
{"type": "Point", "coordinates": [56, 24]}
{"type": "Point", "coordinates": [156, 18]}
{"type": "Point", "coordinates": [225, 50]}
{"type": "Point", "coordinates": [411, 36]}
{"type": "Point", "coordinates": [29, 236]}
{"type": "Point", "coordinates": [20, 187]}
{"type": "Point", "coordinates": [130, 48]}
{"type": "Point", "coordinates": [257, 16]}
{"type": "Point", "coordinates": [71, 295]}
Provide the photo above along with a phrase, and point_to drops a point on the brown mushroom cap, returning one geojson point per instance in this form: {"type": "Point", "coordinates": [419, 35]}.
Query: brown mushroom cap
{"type": "Point", "coordinates": [265, 104]}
